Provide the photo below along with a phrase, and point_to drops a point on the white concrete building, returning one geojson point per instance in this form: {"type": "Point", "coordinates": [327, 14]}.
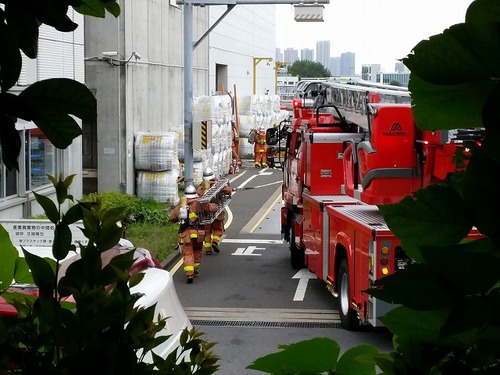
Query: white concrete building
{"type": "Point", "coordinates": [245, 33]}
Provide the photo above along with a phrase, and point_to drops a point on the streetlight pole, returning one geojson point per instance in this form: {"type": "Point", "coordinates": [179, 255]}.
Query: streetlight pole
{"type": "Point", "coordinates": [256, 61]}
{"type": "Point", "coordinates": [189, 45]}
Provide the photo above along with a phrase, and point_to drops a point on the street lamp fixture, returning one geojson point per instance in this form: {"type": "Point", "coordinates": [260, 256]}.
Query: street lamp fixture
{"type": "Point", "coordinates": [256, 61]}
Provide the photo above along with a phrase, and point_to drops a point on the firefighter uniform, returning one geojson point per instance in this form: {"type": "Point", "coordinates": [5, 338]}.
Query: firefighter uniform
{"type": "Point", "coordinates": [191, 233]}
{"type": "Point", "coordinates": [215, 230]}
{"type": "Point", "coordinates": [260, 148]}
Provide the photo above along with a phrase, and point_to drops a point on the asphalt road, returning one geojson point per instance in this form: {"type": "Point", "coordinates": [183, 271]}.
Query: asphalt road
{"type": "Point", "coordinates": [248, 299]}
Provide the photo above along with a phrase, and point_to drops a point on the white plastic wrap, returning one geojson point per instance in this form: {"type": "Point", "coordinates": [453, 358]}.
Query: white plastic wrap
{"type": "Point", "coordinates": [156, 151]}
{"type": "Point", "coordinates": [160, 186]}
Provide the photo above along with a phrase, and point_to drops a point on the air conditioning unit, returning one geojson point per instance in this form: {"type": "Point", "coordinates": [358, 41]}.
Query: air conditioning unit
{"type": "Point", "coordinates": [308, 13]}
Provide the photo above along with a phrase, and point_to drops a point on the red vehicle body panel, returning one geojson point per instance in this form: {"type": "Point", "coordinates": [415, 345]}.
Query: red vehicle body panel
{"type": "Point", "coordinates": [315, 230]}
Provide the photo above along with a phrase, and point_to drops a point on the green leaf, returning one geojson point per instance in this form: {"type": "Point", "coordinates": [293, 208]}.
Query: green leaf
{"type": "Point", "coordinates": [74, 214]}
{"type": "Point", "coordinates": [10, 58]}
{"type": "Point", "coordinates": [413, 331]}
{"type": "Point", "coordinates": [317, 355]}
{"type": "Point", "coordinates": [61, 191]}
{"type": "Point", "coordinates": [112, 8]}
{"type": "Point", "coordinates": [42, 271]}
{"type": "Point", "coordinates": [415, 287]}
{"type": "Point", "coordinates": [22, 272]}
{"type": "Point", "coordinates": [8, 258]}
{"type": "Point", "coordinates": [51, 101]}
{"type": "Point", "coordinates": [97, 8]}
{"type": "Point", "coordinates": [25, 26]}
{"type": "Point", "coordinates": [471, 267]}
{"type": "Point", "coordinates": [62, 241]}
{"type": "Point", "coordinates": [451, 76]}
{"type": "Point", "coordinates": [10, 142]}
{"type": "Point", "coordinates": [482, 174]}
{"type": "Point", "coordinates": [135, 279]}
{"type": "Point", "coordinates": [435, 217]}
{"type": "Point", "coordinates": [48, 206]}
{"type": "Point", "coordinates": [54, 13]}
{"type": "Point", "coordinates": [483, 11]}
{"type": "Point", "coordinates": [358, 360]}
{"type": "Point", "coordinates": [60, 129]}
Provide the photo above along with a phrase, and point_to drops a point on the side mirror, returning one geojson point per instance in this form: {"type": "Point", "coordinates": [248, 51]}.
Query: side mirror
{"type": "Point", "coordinates": [272, 136]}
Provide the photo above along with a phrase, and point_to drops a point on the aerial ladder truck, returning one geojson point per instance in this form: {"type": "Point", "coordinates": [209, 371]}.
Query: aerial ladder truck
{"type": "Point", "coordinates": [350, 148]}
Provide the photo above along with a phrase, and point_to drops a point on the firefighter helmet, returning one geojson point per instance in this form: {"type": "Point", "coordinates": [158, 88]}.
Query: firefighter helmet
{"type": "Point", "coordinates": [190, 192]}
{"type": "Point", "coordinates": [208, 174]}
{"type": "Point", "coordinates": [262, 128]}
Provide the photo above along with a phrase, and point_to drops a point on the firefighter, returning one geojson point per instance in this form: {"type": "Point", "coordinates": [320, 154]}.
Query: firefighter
{"type": "Point", "coordinates": [215, 230]}
{"type": "Point", "coordinates": [260, 148]}
{"type": "Point", "coordinates": [191, 233]}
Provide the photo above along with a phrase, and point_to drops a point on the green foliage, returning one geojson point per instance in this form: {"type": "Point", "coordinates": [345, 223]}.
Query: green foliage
{"type": "Point", "coordinates": [448, 319]}
{"type": "Point", "coordinates": [317, 356]}
{"type": "Point", "coordinates": [114, 199]}
{"type": "Point", "coordinates": [450, 298]}
{"type": "Point", "coordinates": [160, 240]}
{"type": "Point", "coordinates": [51, 104]}
{"type": "Point", "coordinates": [306, 68]}
{"type": "Point", "coordinates": [146, 222]}
{"type": "Point", "coordinates": [102, 331]}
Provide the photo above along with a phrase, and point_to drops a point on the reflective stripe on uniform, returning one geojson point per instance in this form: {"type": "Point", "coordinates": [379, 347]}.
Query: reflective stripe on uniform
{"type": "Point", "coordinates": [216, 238]}
{"type": "Point", "coordinates": [193, 235]}
{"type": "Point", "coordinates": [207, 244]}
{"type": "Point", "coordinates": [193, 215]}
{"type": "Point", "coordinates": [196, 265]}
{"type": "Point", "coordinates": [188, 268]}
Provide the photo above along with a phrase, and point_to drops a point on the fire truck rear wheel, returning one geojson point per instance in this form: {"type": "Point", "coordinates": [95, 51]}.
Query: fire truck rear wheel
{"type": "Point", "coordinates": [296, 253]}
{"type": "Point", "coordinates": [348, 316]}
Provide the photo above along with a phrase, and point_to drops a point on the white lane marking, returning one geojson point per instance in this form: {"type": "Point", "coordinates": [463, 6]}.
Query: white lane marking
{"type": "Point", "coordinates": [248, 251]}
{"type": "Point", "coordinates": [246, 181]}
{"type": "Point", "coordinates": [244, 241]}
{"type": "Point", "coordinates": [303, 275]}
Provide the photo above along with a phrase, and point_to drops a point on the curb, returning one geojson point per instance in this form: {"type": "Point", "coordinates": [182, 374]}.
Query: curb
{"type": "Point", "coordinates": [170, 260]}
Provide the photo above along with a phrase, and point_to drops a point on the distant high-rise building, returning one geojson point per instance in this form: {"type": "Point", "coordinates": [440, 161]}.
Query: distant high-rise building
{"type": "Point", "coordinates": [279, 55]}
{"type": "Point", "coordinates": [306, 54]}
{"type": "Point", "coordinates": [323, 52]}
{"type": "Point", "coordinates": [348, 64]}
{"type": "Point", "coordinates": [334, 66]}
{"type": "Point", "coordinates": [291, 55]}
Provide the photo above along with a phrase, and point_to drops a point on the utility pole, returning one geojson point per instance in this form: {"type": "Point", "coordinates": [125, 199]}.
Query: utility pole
{"type": "Point", "coordinates": [311, 6]}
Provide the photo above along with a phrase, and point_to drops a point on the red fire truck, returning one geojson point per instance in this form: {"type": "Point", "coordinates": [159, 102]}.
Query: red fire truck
{"type": "Point", "coordinates": [349, 149]}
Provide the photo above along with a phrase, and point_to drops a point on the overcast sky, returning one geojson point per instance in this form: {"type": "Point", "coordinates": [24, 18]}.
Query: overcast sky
{"type": "Point", "coordinates": [377, 31]}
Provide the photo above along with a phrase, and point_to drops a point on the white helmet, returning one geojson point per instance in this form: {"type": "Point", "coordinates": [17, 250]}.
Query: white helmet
{"type": "Point", "coordinates": [262, 128]}
{"type": "Point", "coordinates": [190, 192]}
{"type": "Point", "coordinates": [208, 174]}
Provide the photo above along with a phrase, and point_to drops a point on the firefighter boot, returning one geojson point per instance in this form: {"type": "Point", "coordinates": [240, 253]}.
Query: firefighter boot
{"type": "Point", "coordinates": [215, 247]}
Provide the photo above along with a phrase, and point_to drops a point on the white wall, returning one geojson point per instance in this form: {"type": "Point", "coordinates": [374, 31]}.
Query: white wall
{"type": "Point", "coordinates": [146, 94]}
{"type": "Point", "coordinates": [248, 31]}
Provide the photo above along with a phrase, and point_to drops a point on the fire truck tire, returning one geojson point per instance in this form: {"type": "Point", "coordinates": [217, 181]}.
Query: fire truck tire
{"type": "Point", "coordinates": [348, 316]}
{"type": "Point", "coordinates": [296, 253]}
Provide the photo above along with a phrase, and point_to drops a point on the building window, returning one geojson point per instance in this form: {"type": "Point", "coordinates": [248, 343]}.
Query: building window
{"type": "Point", "coordinates": [8, 181]}
{"type": "Point", "coordinates": [41, 159]}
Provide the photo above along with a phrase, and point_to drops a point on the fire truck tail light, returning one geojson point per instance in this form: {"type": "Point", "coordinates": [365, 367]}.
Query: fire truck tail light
{"type": "Point", "coordinates": [385, 250]}
{"type": "Point", "coordinates": [297, 103]}
{"type": "Point", "coordinates": [384, 261]}
{"type": "Point", "coordinates": [385, 271]}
